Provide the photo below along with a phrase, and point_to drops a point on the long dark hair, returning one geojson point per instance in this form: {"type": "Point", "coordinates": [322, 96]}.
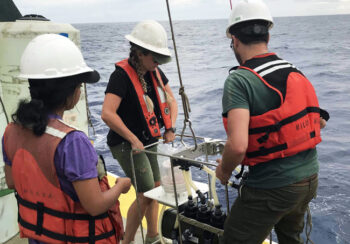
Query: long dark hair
{"type": "Point", "coordinates": [134, 60]}
{"type": "Point", "coordinates": [136, 63]}
{"type": "Point", "coordinates": [47, 95]}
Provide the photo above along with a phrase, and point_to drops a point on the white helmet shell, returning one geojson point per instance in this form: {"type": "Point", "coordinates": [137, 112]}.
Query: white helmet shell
{"type": "Point", "coordinates": [150, 35]}
{"type": "Point", "coordinates": [247, 10]}
{"type": "Point", "coordinates": [50, 56]}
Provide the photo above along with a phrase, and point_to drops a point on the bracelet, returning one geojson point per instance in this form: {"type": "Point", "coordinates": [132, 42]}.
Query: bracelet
{"type": "Point", "coordinates": [172, 129]}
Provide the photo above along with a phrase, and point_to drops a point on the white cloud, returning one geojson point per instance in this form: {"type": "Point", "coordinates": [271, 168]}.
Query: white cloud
{"type": "Point", "coordinates": [183, 2]}
{"type": "Point", "coordinates": [56, 3]}
{"type": "Point", "coordinates": [83, 11]}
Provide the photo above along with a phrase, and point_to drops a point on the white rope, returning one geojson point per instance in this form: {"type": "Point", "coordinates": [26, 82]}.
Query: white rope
{"type": "Point", "coordinates": [308, 226]}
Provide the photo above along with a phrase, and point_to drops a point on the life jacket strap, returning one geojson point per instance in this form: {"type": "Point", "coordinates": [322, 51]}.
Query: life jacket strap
{"type": "Point", "coordinates": [266, 151]}
{"type": "Point", "coordinates": [40, 230]}
{"type": "Point", "coordinates": [39, 218]}
{"type": "Point", "coordinates": [40, 208]}
{"type": "Point", "coordinates": [263, 151]}
{"type": "Point", "coordinates": [277, 126]}
{"type": "Point", "coordinates": [91, 231]}
{"type": "Point", "coordinates": [65, 238]}
{"type": "Point", "coordinates": [233, 69]}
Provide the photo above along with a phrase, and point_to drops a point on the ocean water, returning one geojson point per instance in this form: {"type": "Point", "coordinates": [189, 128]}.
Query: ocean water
{"type": "Point", "coordinates": [319, 46]}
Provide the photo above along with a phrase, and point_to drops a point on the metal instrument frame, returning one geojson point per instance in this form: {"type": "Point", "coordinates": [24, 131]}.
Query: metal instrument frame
{"type": "Point", "coordinates": [208, 147]}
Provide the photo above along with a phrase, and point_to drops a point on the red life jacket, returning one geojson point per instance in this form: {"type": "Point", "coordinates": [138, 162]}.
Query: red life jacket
{"type": "Point", "coordinates": [149, 116]}
{"type": "Point", "coordinates": [45, 212]}
{"type": "Point", "coordinates": [291, 128]}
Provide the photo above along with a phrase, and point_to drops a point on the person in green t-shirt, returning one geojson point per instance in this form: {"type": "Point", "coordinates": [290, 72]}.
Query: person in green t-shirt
{"type": "Point", "coordinates": [277, 191]}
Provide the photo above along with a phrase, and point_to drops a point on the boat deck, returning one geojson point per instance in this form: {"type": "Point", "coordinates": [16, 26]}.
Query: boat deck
{"type": "Point", "coordinates": [17, 240]}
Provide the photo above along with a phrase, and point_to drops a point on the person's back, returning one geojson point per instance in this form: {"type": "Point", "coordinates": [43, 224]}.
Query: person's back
{"type": "Point", "coordinates": [272, 119]}
{"type": "Point", "coordinates": [52, 165]}
{"type": "Point", "coordinates": [243, 89]}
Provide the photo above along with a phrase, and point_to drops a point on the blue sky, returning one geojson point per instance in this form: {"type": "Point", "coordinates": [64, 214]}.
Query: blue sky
{"type": "Point", "coordinates": [87, 11]}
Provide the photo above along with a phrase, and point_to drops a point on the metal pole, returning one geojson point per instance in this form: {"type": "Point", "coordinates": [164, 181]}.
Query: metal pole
{"type": "Point", "coordinates": [227, 200]}
{"type": "Point", "coordinates": [135, 185]}
{"type": "Point", "coordinates": [209, 179]}
{"type": "Point", "coordinates": [176, 200]}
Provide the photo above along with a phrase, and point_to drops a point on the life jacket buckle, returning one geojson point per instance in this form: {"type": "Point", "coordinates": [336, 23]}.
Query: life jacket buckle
{"type": "Point", "coordinates": [276, 127]}
{"type": "Point", "coordinates": [166, 110]}
{"type": "Point", "coordinates": [263, 138]}
{"type": "Point", "coordinates": [153, 121]}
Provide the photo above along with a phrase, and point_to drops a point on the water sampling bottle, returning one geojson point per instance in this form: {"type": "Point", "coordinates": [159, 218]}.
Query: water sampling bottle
{"type": "Point", "coordinates": [165, 172]}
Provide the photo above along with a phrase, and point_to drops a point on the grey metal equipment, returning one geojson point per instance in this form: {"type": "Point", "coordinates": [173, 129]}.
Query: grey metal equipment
{"type": "Point", "coordinates": [204, 221]}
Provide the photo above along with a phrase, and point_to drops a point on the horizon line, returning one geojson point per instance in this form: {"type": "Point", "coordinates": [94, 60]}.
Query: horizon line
{"type": "Point", "coordinates": [163, 20]}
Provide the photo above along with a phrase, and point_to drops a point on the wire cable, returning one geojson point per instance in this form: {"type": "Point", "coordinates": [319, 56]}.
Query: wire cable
{"type": "Point", "coordinates": [184, 98]}
{"type": "Point", "coordinates": [3, 108]}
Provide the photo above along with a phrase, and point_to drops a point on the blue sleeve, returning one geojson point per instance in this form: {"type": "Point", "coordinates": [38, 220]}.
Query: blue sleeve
{"type": "Point", "coordinates": [76, 158]}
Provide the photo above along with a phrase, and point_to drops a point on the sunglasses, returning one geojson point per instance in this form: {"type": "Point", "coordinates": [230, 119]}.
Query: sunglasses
{"type": "Point", "coordinates": [155, 60]}
{"type": "Point", "coordinates": [160, 59]}
{"type": "Point", "coordinates": [231, 45]}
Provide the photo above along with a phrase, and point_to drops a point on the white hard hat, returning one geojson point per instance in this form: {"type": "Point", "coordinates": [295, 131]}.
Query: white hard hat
{"type": "Point", "coordinates": [51, 56]}
{"type": "Point", "coordinates": [247, 10]}
{"type": "Point", "coordinates": [150, 35]}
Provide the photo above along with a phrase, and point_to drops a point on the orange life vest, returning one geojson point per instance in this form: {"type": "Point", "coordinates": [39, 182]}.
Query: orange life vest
{"type": "Point", "coordinates": [291, 128]}
{"type": "Point", "coordinates": [45, 212]}
{"type": "Point", "coordinates": [150, 117]}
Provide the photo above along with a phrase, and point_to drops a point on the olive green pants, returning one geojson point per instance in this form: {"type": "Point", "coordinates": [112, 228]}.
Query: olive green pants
{"type": "Point", "coordinates": [256, 211]}
{"type": "Point", "coordinates": [146, 165]}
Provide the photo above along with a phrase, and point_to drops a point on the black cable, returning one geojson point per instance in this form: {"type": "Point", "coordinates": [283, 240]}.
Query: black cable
{"type": "Point", "coordinates": [3, 108]}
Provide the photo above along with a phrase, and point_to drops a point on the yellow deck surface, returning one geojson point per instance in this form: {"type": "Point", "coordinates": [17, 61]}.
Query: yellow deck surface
{"type": "Point", "coordinates": [127, 199]}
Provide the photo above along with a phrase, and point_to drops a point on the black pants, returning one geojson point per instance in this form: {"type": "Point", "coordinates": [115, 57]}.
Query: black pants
{"type": "Point", "coordinates": [256, 211]}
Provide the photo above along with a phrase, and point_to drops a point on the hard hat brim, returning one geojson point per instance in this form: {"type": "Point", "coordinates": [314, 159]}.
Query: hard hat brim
{"type": "Point", "coordinates": [90, 77]}
{"type": "Point", "coordinates": [87, 77]}
{"type": "Point", "coordinates": [163, 51]}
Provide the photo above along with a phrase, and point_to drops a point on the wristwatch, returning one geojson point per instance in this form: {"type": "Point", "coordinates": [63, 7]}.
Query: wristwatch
{"type": "Point", "coordinates": [172, 129]}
